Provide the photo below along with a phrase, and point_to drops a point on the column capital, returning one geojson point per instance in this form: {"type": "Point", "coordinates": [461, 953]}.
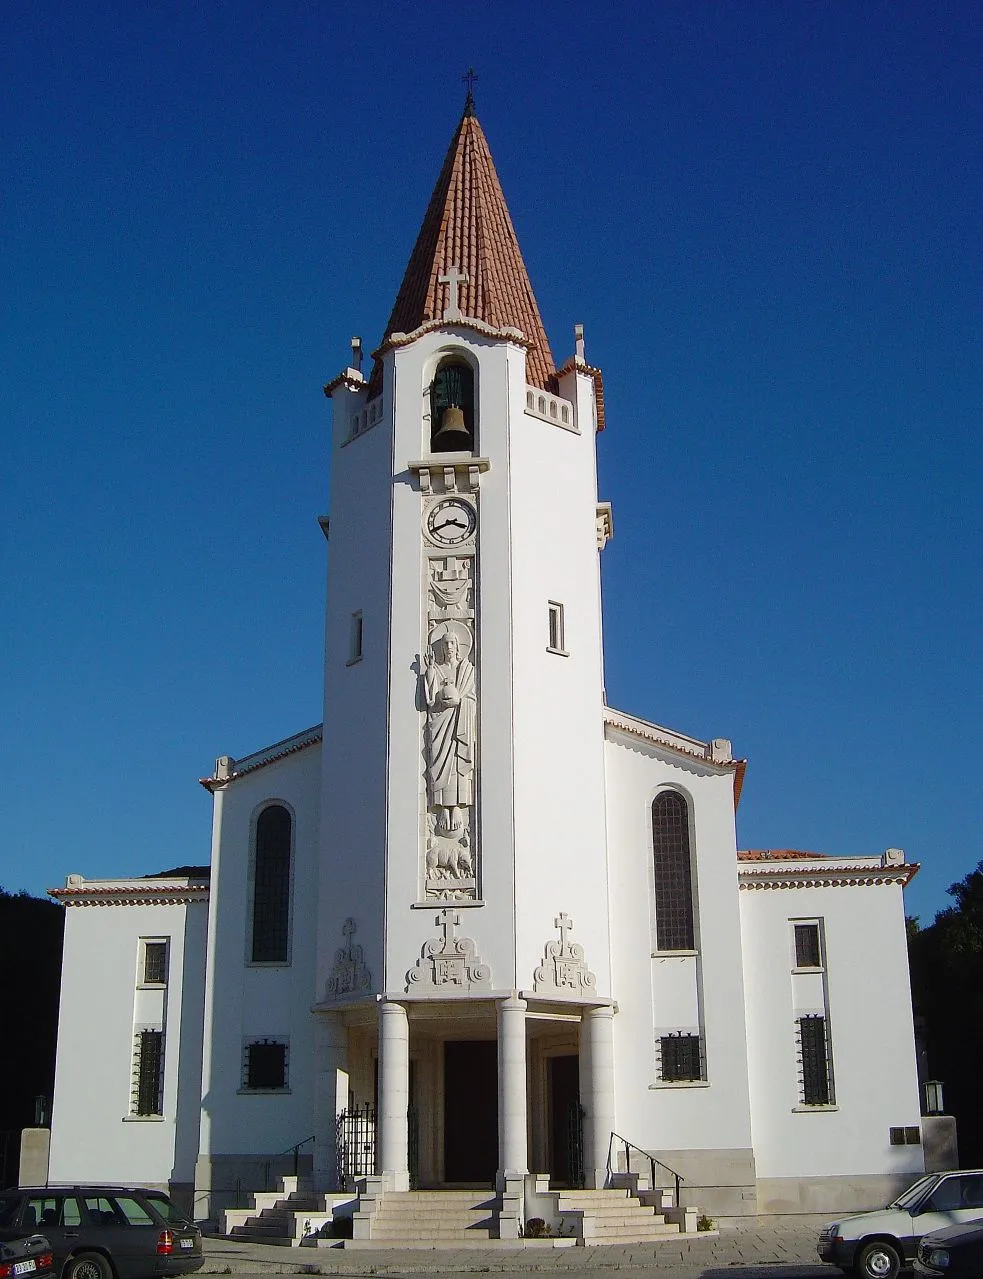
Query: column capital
{"type": "Point", "coordinates": [513, 1003]}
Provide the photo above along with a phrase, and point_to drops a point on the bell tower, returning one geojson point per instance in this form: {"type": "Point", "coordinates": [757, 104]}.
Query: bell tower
{"type": "Point", "coordinates": [463, 785]}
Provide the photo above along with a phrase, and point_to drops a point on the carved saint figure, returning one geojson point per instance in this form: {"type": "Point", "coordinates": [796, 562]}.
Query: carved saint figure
{"type": "Point", "coordinates": [449, 695]}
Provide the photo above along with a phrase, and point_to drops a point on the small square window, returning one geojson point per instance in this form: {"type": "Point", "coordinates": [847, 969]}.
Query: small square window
{"type": "Point", "coordinates": [556, 629]}
{"type": "Point", "coordinates": [681, 1058]}
{"type": "Point", "coordinates": [265, 1066]}
{"type": "Point", "coordinates": [154, 963]}
{"type": "Point", "coordinates": [808, 949]}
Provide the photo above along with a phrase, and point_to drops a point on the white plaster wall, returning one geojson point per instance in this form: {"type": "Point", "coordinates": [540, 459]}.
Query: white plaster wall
{"type": "Point", "coordinates": [356, 694]}
{"type": "Point", "coordinates": [254, 1001]}
{"type": "Point", "coordinates": [715, 1116]}
{"type": "Point", "coordinates": [560, 832]}
{"type": "Point", "coordinates": [870, 1027]}
{"type": "Point", "coordinates": [93, 1137]}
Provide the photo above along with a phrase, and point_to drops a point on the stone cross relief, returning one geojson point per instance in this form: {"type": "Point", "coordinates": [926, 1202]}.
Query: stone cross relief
{"type": "Point", "coordinates": [454, 278]}
{"type": "Point", "coordinates": [349, 974]}
{"type": "Point", "coordinates": [449, 963]}
{"type": "Point", "coordinates": [564, 971]}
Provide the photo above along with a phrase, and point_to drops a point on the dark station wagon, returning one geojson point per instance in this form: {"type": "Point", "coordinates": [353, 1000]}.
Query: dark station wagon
{"type": "Point", "coordinates": [105, 1232]}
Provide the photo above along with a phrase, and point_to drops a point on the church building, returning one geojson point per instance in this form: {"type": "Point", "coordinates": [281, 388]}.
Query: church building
{"type": "Point", "coordinates": [480, 928]}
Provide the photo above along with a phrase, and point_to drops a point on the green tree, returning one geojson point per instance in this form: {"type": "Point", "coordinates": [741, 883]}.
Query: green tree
{"type": "Point", "coordinates": [947, 991]}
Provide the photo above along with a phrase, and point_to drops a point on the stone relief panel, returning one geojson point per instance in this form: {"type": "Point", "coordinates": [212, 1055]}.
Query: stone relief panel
{"type": "Point", "coordinates": [564, 971]}
{"type": "Point", "coordinates": [449, 963]}
{"type": "Point", "coordinates": [349, 975]}
{"type": "Point", "coordinates": [448, 698]}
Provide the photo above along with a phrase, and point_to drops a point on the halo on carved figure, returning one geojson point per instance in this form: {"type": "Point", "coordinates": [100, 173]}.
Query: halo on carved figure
{"type": "Point", "coordinates": [460, 632]}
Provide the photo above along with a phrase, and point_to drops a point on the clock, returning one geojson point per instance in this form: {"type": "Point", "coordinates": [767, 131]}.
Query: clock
{"type": "Point", "coordinates": [451, 521]}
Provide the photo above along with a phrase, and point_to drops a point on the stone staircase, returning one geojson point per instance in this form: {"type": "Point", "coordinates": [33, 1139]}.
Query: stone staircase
{"type": "Point", "coordinates": [287, 1216]}
{"type": "Point", "coordinates": [611, 1216]}
{"type": "Point", "coordinates": [426, 1219]}
{"type": "Point", "coordinates": [296, 1215]}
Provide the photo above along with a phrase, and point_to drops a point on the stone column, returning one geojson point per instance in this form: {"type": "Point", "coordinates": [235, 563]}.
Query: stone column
{"type": "Point", "coordinates": [394, 1096]}
{"type": "Point", "coordinates": [330, 1096]}
{"type": "Point", "coordinates": [513, 1155]}
{"type": "Point", "coordinates": [597, 1093]}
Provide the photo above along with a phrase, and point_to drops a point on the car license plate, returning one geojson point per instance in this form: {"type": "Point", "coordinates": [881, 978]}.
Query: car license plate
{"type": "Point", "coordinates": [24, 1267]}
{"type": "Point", "coordinates": [187, 1243]}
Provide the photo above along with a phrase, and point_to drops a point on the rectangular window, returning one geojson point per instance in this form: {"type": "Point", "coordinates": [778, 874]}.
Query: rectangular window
{"type": "Point", "coordinates": [265, 1065]}
{"type": "Point", "coordinates": [817, 1075]}
{"type": "Point", "coordinates": [149, 1088]}
{"type": "Point", "coordinates": [154, 963]}
{"type": "Point", "coordinates": [808, 951]}
{"type": "Point", "coordinates": [681, 1058]}
{"type": "Point", "coordinates": [556, 635]}
{"type": "Point", "coordinates": [355, 638]}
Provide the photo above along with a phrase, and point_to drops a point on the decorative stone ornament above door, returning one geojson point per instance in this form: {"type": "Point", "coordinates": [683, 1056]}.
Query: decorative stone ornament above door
{"type": "Point", "coordinates": [564, 971]}
{"type": "Point", "coordinates": [449, 963]}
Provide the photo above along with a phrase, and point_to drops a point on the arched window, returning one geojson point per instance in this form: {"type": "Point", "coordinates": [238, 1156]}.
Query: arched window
{"type": "Point", "coordinates": [271, 887]}
{"type": "Point", "coordinates": [452, 408]}
{"type": "Point", "coordinates": [673, 872]}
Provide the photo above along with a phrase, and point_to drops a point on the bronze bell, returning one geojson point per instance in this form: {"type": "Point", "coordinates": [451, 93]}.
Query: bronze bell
{"type": "Point", "coordinates": [453, 434]}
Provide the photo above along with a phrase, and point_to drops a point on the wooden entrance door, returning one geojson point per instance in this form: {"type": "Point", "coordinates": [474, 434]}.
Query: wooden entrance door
{"type": "Point", "coordinates": [471, 1111]}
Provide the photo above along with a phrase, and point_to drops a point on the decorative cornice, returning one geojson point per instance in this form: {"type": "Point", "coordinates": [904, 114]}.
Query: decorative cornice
{"type": "Point", "coordinates": [351, 379]}
{"type": "Point", "coordinates": [131, 892]}
{"type": "Point", "coordinates": [508, 332]}
{"type": "Point", "coordinates": [576, 365]}
{"type": "Point", "coordinates": [715, 754]}
{"type": "Point", "coordinates": [229, 770]}
{"type": "Point", "coordinates": [838, 875]}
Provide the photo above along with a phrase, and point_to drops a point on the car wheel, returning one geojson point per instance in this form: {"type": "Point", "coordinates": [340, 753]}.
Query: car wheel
{"type": "Point", "coordinates": [88, 1265]}
{"type": "Point", "coordinates": [874, 1261]}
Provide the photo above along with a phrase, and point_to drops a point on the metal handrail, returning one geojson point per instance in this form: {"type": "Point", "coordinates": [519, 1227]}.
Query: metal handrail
{"type": "Point", "coordinates": [653, 1162]}
{"type": "Point", "coordinates": [295, 1150]}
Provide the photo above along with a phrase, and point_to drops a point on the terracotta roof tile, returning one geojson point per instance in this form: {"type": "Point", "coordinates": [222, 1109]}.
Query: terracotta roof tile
{"type": "Point", "coordinates": [467, 225]}
{"type": "Point", "coordinates": [775, 855]}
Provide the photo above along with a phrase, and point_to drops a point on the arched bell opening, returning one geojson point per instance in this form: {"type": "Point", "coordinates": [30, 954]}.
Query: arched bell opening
{"type": "Point", "coordinates": [452, 407]}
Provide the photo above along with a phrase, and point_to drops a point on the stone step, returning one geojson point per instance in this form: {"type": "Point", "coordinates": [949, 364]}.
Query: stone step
{"type": "Point", "coordinates": [410, 1233]}
{"type": "Point", "coordinates": [427, 1212]}
{"type": "Point", "coordinates": [604, 1228]}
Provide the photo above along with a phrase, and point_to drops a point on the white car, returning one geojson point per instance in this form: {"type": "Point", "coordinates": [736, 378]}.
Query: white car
{"type": "Point", "coordinates": [876, 1245]}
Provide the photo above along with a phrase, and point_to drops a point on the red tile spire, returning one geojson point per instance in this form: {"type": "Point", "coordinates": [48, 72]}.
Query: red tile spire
{"type": "Point", "coordinates": [467, 226]}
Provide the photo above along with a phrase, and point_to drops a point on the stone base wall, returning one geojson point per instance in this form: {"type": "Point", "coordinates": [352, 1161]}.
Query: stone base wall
{"type": "Point", "coordinates": [230, 1181]}
{"type": "Point", "coordinates": [720, 1183]}
{"type": "Point", "coordinates": [828, 1196]}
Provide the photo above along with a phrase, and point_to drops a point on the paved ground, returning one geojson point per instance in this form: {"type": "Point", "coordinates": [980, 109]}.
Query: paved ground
{"type": "Point", "coordinates": [779, 1248]}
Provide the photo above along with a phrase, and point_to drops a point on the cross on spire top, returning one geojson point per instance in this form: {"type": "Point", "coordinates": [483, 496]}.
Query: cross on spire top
{"type": "Point", "coordinates": [564, 923]}
{"type": "Point", "coordinates": [469, 78]}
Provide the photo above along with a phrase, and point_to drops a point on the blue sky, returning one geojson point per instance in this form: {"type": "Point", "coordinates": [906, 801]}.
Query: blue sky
{"type": "Point", "coordinates": [766, 215]}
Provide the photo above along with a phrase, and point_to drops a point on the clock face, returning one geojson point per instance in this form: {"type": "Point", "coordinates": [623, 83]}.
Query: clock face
{"type": "Point", "coordinates": [451, 521]}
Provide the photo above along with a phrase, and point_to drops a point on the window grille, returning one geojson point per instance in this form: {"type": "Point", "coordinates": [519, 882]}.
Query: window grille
{"type": "Point", "coordinates": [150, 1073]}
{"type": "Point", "coordinates": [817, 1075]}
{"type": "Point", "coordinates": [265, 1064]}
{"type": "Point", "coordinates": [681, 1058]}
{"type": "Point", "coordinates": [271, 887]}
{"type": "Point", "coordinates": [808, 952]}
{"type": "Point", "coordinates": [673, 873]}
{"type": "Point", "coordinates": [155, 963]}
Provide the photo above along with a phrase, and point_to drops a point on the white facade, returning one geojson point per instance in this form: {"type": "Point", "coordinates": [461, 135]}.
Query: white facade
{"type": "Point", "coordinates": [450, 909]}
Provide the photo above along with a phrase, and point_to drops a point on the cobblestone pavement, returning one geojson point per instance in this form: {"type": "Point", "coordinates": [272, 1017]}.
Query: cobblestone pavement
{"type": "Point", "coordinates": [782, 1248]}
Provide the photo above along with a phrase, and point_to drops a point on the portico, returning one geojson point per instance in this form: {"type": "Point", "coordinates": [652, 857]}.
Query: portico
{"type": "Point", "coordinates": [479, 1092]}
